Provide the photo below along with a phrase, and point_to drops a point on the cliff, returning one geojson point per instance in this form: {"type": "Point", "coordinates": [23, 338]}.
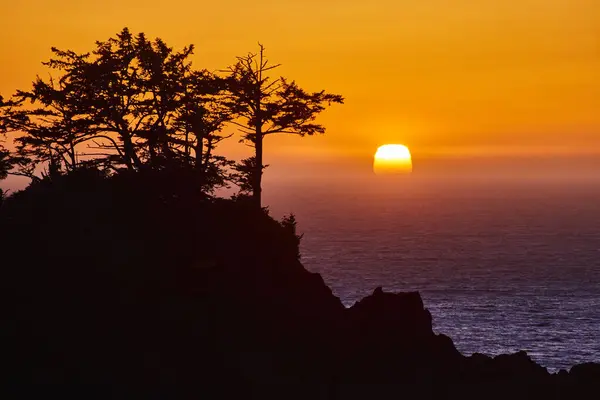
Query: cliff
{"type": "Point", "coordinates": [139, 281]}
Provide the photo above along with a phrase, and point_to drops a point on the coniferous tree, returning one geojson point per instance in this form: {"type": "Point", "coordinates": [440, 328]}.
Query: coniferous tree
{"type": "Point", "coordinates": [269, 106]}
{"type": "Point", "coordinates": [9, 121]}
{"type": "Point", "coordinates": [120, 108]}
{"type": "Point", "coordinates": [4, 153]}
{"type": "Point", "coordinates": [204, 111]}
{"type": "Point", "coordinates": [130, 104]}
{"type": "Point", "coordinates": [137, 104]}
{"type": "Point", "coordinates": [55, 126]}
{"type": "Point", "coordinates": [244, 175]}
{"type": "Point", "coordinates": [162, 78]}
{"type": "Point", "coordinates": [89, 103]}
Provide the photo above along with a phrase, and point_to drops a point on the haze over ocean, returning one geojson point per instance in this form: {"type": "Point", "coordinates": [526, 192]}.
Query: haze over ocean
{"type": "Point", "coordinates": [501, 266]}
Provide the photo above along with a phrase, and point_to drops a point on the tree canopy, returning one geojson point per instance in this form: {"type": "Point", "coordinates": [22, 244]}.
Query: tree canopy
{"type": "Point", "coordinates": [135, 104]}
{"type": "Point", "coordinates": [268, 105]}
{"type": "Point", "coordinates": [9, 121]}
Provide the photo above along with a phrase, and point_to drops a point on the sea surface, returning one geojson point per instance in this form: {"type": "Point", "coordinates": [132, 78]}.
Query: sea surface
{"type": "Point", "coordinates": [501, 266]}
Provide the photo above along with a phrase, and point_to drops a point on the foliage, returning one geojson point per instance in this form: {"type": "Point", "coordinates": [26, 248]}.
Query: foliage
{"type": "Point", "coordinates": [137, 104]}
{"type": "Point", "coordinates": [289, 225]}
{"type": "Point", "coordinates": [9, 121]}
{"type": "Point", "coordinates": [268, 106]}
{"type": "Point", "coordinates": [244, 175]}
{"type": "Point", "coordinates": [5, 165]}
{"type": "Point", "coordinates": [130, 104]}
{"type": "Point", "coordinates": [5, 162]}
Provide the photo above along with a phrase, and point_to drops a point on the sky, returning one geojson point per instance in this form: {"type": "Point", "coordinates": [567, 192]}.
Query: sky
{"type": "Point", "coordinates": [467, 85]}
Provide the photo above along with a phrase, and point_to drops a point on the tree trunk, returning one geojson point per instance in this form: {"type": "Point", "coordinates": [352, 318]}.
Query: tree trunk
{"type": "Point", "coordinates": [186, 148]}
{"type": "Point", "coordinates": [127, 150]}
{"type": "Point", "coordinates": [257, 175]}
{"type": "Point", "coordinates": [73, 156]}
{"type": "Point", "coordinates": [200, 167]}
{"type": "Point", "coordinates": [131, 159]}
{"type": "Point", "coordinates": [152, 151]}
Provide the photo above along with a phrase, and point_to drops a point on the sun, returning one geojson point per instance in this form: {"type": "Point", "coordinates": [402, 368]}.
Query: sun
{"type": "Point", "coordinates": [392, 159]}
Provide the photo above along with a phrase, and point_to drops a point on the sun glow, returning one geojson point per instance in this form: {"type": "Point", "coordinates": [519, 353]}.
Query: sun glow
{"type": "Point", "coordinates": [392, 159]}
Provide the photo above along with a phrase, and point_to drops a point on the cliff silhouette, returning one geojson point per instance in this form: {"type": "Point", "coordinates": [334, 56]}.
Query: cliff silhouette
{"type": "Point", "coordinates": [139, 280]}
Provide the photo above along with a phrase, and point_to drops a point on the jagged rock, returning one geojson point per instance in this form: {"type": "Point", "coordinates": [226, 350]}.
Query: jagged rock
{"type": "Point", "coordinates": [587, 372]}
{"type": "Point", "coordinates": [517, 365]}
{"type": "Point", "coordinates": [196, 290]}
{"type": "Point", "coordinates": [400, 315]}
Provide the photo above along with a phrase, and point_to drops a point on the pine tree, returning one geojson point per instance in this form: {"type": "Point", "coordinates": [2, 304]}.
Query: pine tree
{"type": "Point", "coordinates": [268, 106]}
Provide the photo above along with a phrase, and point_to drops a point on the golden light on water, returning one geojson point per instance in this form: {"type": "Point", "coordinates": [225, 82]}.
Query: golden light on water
{"type": "Point", "coordinates": [392, 159]}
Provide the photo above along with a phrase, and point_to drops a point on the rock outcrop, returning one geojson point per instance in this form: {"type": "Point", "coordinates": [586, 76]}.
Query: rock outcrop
{"type": "Point", "coordinates": [157, 286]}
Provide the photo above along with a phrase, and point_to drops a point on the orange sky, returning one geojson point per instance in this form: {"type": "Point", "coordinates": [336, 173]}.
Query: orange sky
{"type": "Point", "coordinates": [462, 78]}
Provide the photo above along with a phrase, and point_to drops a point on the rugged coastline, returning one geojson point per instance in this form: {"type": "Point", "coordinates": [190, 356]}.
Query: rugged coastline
{"type": "Point", "coordinates": [138, 280]}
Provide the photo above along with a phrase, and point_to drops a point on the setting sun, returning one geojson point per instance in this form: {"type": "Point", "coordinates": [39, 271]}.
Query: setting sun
{"type": "Point", "coordinates": [392, 159]}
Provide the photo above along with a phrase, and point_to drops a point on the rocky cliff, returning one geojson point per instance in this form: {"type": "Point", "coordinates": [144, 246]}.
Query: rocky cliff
{"type": "Point", "coordinates": [121, 282]}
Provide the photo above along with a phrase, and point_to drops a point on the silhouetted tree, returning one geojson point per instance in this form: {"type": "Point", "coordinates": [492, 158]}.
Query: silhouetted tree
{"type": "Point", "coordinates": [4, 162]}
{"type": "Point", "coordinates": [205, 110]}
{"type": "Point", "coordinates": [289, 224]}
{"type": "Point", "coordinates": [134, 104]}
{"type": "Point", "coordinates": [161, 109]}
{"type": "Point", "coordinates": [267, 106]}
{"type": "Point", "coordinates": [55, 126]}
{"type": "Point", "coordinates": [9, 121]}
{"type": "Point", "coordinates": [244, 175]}
{"type": "Point", "coordinates": [120, 104]}
{"type": "Point", "coordinates": [4, 153]}
{"type": "Point", "coordinates": [162, 78]}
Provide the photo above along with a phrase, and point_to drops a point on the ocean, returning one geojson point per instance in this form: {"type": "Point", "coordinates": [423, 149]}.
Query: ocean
{"type": "Point", "coordinates": [502, 266]}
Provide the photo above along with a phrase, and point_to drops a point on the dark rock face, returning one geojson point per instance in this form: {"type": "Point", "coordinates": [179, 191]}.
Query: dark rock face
{"type": "Point", "coordinates": [400, 315]}
{"type": "Point", "coordinates": [588, 372]}
{"type": "Point", "coordinates": [189, 290]}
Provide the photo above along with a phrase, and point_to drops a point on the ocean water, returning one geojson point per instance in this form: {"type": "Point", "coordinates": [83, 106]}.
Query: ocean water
{"type": "Point", "coordinates": [501, 266]}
